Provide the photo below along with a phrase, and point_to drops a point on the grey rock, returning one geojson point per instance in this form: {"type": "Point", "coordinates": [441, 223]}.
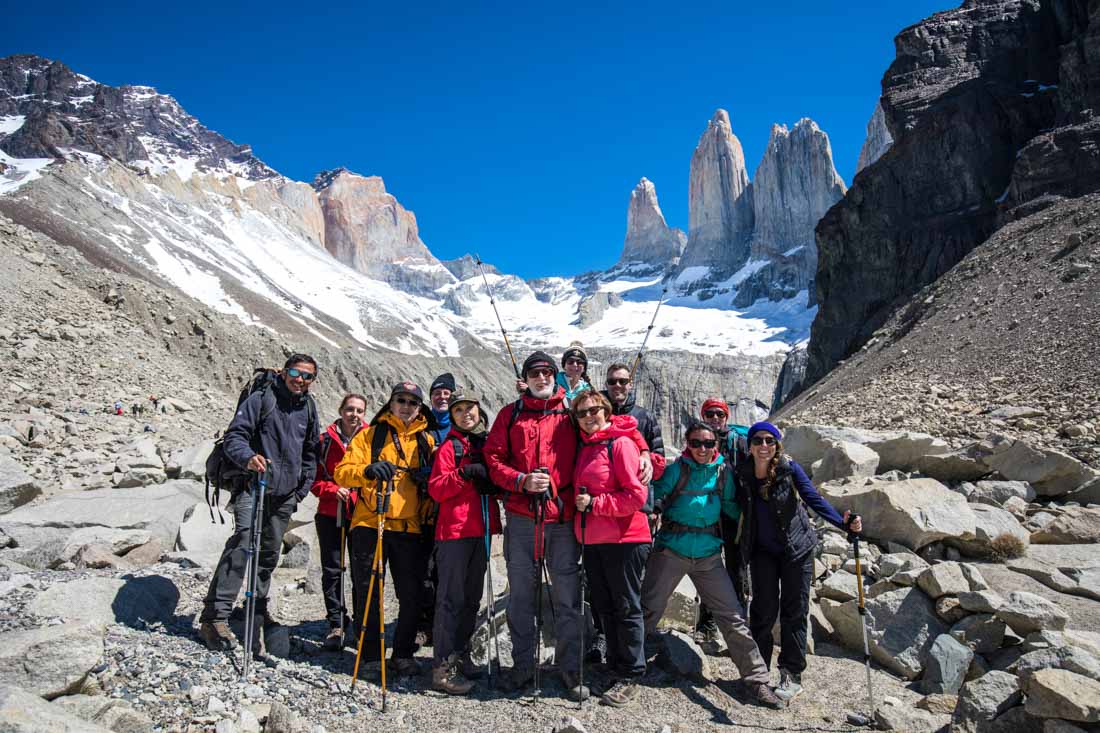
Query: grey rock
{"type": "Point", "coordinates": [1050, 472]}
{"type": "Point", "coordinates": [63, 656]}
{"type": "Point", "coordinates": [1026, 612]}
{"type": "Point", "coordinates": [682, 656]}
{"type": "Point", "coordinates": [982, 601]}
{"type": "Point", "coordinates": [983, 699]}
{"type": "Point", "coordinates": [16, 486]}
{"type": "Point", "coordinates": [892, 714]}
{"type": "Point", "coordinates": [648, 238]}
{"type": "Point", "coordinates": [25, 712]}
{"type": "Point", "coordinates": [897, 450]}
{"type": "Point", "coordinates": [201, 538]}
{"type": "Point", "coordinates": [990, 522]}
{"type": "Point", "coordinates": [896, 562]}
{"type": "Point", "coordinates": [111, 713]}
{"type": "Point", "coordinates": [846, 460]}
{"type": "Point", "coordinates": [840, 586]}
{"type": "Point", "coordinates": [878, 139]}
{"type": "Point", "coordinates": [132, 600]}
{"type": "Point", "coordinates": [570, 724]}
{"type": "Point", "coordinates": [945, 666]}
{"type": "Point", "coordinates": [1059, 693]}
{"type": "Point", "coordinates": [1072, 658]}
{"type": "Point", "coordinates": [960, 465]}
{"type": "Point", "coordinates": [281, 719]}
{"type": "Point", "coordinates": [1073, 525]}
{"type": "Point", "coordinates": [945, 578]}
{"type": "Point", "coordinates": [982, 632]}
{"type": "Point", "coordinates": [998, 492]}
{"type": "Point", "coordinates": [1087, 494]}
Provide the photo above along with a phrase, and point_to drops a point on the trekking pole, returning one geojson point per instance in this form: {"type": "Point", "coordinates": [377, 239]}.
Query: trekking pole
{"type": "Point", "coordinates": [259, 486]}
{"type": "Point", "coordinates": [375, 564]}
{"type": "Point", "coordinates": [584, 587]}
{"type": "Point", "coordinates": [539, 553]}
{"type": "Point", "coordinates": [493, 302]}
{"type": "Point", "coordinates": [489, 594]}
{"type": "Point", "coordinates": [856, 718]}
{"type": "Point", "coordinates": [343, 542]}
{"type": "Point", "coordinates": [384, 505]}
{"type": "Point", "coordinates": [649, 330]}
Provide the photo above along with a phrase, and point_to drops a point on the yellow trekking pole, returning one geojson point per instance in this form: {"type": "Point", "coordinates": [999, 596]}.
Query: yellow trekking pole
{"type": "Point", "coordinates": [377, 573]}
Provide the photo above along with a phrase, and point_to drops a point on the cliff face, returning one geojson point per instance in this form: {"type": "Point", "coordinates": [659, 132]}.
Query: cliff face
{"type": "Point", "coordinates": [649, 239]}
{"type": "Point", "coordinates": [969, 90]}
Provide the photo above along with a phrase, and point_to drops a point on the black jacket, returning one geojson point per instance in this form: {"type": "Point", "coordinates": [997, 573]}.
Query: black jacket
{"type": "Point", "coordinates": [287, 438]}
{"type": "Point", "coordinates": [796, 530]}
{"type": "Point", "coordinates": [647, 424]}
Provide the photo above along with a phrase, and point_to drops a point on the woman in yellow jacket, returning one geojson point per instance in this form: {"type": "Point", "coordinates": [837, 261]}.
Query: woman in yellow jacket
{"type": "Point", "coordinates": [393, 454]}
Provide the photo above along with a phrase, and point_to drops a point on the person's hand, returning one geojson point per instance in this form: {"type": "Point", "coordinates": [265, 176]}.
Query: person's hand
{"type": "Point", "coordinates": [583, 502]}
{"type": "Point", "coordinates": [536, 483]}
{"type": "Point", "coordinates": [343, 494]}
{"type": "Point", "coordinates": [857, 524]}
{"type": "Point", "coordinates": [474, 472]}
{"type": "Point", "coordinates": [380, 471]}
{"type": "Point", "coordinates": [521, 386]}
{"type": "Point", "coordinates": [257, 463]}
{"type": "Point", "coordinates": [645, 468]}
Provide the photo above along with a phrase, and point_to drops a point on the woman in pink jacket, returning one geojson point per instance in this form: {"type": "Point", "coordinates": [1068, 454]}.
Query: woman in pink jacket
{"type": "Point", "coordinates": [616, 536]}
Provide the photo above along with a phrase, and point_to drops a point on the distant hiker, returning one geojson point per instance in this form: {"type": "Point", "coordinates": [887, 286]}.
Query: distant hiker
{"type": "Point", "coordinates": [118, 407]}
{"type": "Point", "coordinates": [156, 402]}
{"type": "Point", "coordinates": [439, 394]}
{"type": "Point", "coordinates": [330, 495]}
{"type": "Point", "coordinates": [616, 536]}
{"type": "Point", "coordinates": [778, 539]}
{"type": "Point", "coordinates": [392, 455]}
{"type": "Point", "coordinates": [458, 483]}
{"type": "Point", "coordinates": [692, 495]}
{"type": "Point", "coordinates": [133, 410]}
{"type": "Point", "coordinates": [278, 438]}
{"type": "Point", "coordinates": [574, 375]}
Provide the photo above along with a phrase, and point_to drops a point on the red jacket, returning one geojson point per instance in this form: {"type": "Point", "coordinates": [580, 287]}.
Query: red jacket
{"type": "Point", "coordinates": [614, 516]}
{"type": "Point", "coordinates": [459, 503]}
{"type": "Point", "coordinates": [324, 487]}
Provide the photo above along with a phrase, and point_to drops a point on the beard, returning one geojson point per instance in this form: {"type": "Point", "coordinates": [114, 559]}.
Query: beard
{"type": "Point", "coordinates": [542, 394]}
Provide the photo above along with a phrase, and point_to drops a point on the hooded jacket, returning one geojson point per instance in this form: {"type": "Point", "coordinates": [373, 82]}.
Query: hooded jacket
{"type": "Point", "coordinates": [330, 452]}
{"type": "Point", "coordinates": [286, 438]}
{"type": "Point", "coordinates": [459, 501]}
{"type": "Point", "coordinates": [647, 426]}
{"type": "Point", "coordinates": [701, 508]}
{"type": "Point", "coordinates": [406, 510]}
{"type": "Point", "coordinates": [614, 516]}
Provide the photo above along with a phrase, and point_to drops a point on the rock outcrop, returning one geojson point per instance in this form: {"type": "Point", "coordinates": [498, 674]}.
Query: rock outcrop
{"type": "Point", "coordinates": [649, 239]}
{"type": "Point", "coordinates": [878, 139]}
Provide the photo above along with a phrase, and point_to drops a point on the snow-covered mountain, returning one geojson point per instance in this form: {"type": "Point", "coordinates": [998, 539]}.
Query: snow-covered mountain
{"type": "Point", "coordinates": [127, 177]}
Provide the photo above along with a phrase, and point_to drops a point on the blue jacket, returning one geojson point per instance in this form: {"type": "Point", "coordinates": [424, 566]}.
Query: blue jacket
{"type": "Point", "coordinates": [563, 382]}
{"type": "Point", "coordinates": [287, 438]}
{"type": "Point", "coordinates": [697, 509]}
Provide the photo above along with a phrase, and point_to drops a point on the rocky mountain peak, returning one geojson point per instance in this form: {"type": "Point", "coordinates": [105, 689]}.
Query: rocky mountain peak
{"type": "Point", "coordinates": [649, 239]}
{"type": "Point", "coordinates": [878, 139]}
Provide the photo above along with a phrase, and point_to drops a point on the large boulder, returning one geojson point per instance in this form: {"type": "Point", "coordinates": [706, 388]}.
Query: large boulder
{"type": "Point", "coordinates": [201, 538]}
{"type": "Point", "coordinates": [1072, 569]}
{"type": "Point", "coordinates": [52, 660]}
{"type": "Point", "coordinates": [111, 713]}
{"type": "Point", "coordinates": [189, 462]}
{"type": "Point", "coordinates": [981, 700]}
{"type": "Point", "coordinates": [1072, 658]}
{"type": "Point", "coordinates": [840, 586]}
{"type": "Point", "coordinates": [945, 666]}
{"type": "Point", "coordinates": [1087, 494]}
{"type": "Point", "coordinates": [1059, 693]}
{"type": "Point", "coordinates": [681, 656]}
{"type": "Point", "coordinates": [962, 465]}
{"type": "Point", "coordinates": [158, 509]}
{"type": "Point", "coordinates": [25, 712]}
{"type": "Point", "coordinates": [51, 554]}
{"type": "Point", "coordinates": [998, 492]}
{"type": "Point", "coordinates": [902, 624]}
{"type": "Point", "coordinates": [1074, 525]}
{"type": "Point", "coordinates": [1026, 612]}
{"type": "Point", "coordinates": [1050, 472]}
{"type": "Point", "coordinates": [913, 513]}
{"type": "Point", "coordinates": [131, 600]}
{"type": "Point", "coordinates": [990, 522]}
{"type": "Point", "coordinates": [982, 632]}
{"type": "Point", "coordinates": [941, 579]}
{"type": "Point", "coordinates": [846, 460]}
{"type": "Point", "coordinates": [896, 450]}
{"type": "Point", "coordinates": [16, 486]}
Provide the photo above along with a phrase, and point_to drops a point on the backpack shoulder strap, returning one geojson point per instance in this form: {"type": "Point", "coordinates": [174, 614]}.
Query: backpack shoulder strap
{"type": "Point", "coordinates": [459, 449]}
{"type": "Point", "coordinates": [424, 449]}
{"type": "Point", "coordinates": [378, 440]}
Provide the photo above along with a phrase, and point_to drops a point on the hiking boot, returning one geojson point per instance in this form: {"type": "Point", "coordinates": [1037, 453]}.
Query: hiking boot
{"type": "Point", "coordinates": [621, 694]}
{"type": "Point", "coordinates": [597, 652]}
{"type": "Point", "coordinates": [762, 695]}
{"type": "Point", "coordinates": [217, 635]}
{"type": "Point", "coordinates": [574, 690]}
{"type": "Point", "coordinates": [790, 686]}
{"type": "Point", "coordinates": [404, 666]}
{"type": "Point", "coordinates": [335, 639]}
{"type": "Point", "coordinates": [447, 678]}
{"type": "Point", "coordinates": [470, 670]}
{"type": "Point", "coordinates": [707, 632]}
{"type": "Point", "coordinates": [516, 678]}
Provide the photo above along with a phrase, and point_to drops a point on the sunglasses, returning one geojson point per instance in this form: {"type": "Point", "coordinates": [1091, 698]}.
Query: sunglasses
{"type": "Point", "coordinates": [407, 402]}
{"type": "Point", "coordinates": [618, 382]}
{"type": "Point", "coordinates": [574, 361]}
{"type": "Point", "coordinates": [763, 440]}
{"type": "Point", "coordinates": [589, 412]}
{"type": "Point", "coordinates": [708, 444]}
{"type": "Point", "coordinates": [306, 376]}
{"type": "Point", "coordinates": [714, 413]}
{"type": "Point", "coordinates": [544, 373]}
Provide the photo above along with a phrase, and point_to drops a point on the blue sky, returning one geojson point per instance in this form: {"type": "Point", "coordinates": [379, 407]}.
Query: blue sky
{"type": "Point", "coordinates": [510, 129]}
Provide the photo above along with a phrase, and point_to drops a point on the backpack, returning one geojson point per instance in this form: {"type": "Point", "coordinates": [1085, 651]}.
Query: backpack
{"type": "Point", "coordinates": [647, 507]}
{"type": "Point", "coordinates": [222, 473]}
{"type": "Point", "coordinates": [678, 490]}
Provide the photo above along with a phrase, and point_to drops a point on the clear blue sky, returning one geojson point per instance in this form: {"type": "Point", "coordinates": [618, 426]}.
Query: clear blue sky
{"type": "Point", "coordinates": [512, 129]}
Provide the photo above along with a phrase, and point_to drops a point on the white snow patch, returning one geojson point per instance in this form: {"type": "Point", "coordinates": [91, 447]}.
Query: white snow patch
{"type": "Point", "coordinates": [10, 124]}
{"type": "Point", "coordinates": [793, 250]}
{"type": "Point", "coordinates": [20, 171]}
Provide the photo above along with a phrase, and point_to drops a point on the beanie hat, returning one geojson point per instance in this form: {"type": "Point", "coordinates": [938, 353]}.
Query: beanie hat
{"type": "Point", "coordinates": [539, 359]}
{"type": "Point", "coordinates": [765, 427]}
{"type": "Point", "coordinates": [446, 380]}
{"type": "Point", "coordinates": [407, 388]}
{"type": "Point", "coordinates": [575, 350]}
{"type": "Point", "coordinates": [713, 403]}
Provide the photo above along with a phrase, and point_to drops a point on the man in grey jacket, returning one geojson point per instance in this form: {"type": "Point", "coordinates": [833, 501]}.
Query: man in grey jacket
{"type": "Point", "coordinates": [275, 433]}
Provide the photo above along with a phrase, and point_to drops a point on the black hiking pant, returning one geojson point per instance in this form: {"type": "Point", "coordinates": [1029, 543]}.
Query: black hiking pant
{"type": "Point", "coordinates": [461, 564]}
{"type": "Point", "coordinates": [229, 575]}
{"type": "Point", "coordinates": [614, 575]}
{"type": "Point", "coordinates": [328, 541]}
{"type": "Point", "coordinates": [403, 553]}
{"type": "Point", "coordinates": [781, 589]}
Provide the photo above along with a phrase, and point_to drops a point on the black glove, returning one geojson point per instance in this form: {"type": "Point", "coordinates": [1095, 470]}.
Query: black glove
{"type": "Point", "coordinates": [380, 471]}
{"type": "Point", "coordinates": [420, 477]}
{"type": "Point", "coordinates": [474, 471]}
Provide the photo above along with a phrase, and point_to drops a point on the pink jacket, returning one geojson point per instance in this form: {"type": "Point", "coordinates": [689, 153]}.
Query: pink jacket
{"type": "Point", "coordinates": [614, 516]}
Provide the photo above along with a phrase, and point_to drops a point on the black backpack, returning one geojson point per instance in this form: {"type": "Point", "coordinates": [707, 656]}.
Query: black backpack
{"type": "Point", "coordinates": [222, 473]}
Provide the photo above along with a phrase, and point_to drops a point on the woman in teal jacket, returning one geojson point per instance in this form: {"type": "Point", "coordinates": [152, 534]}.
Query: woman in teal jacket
{"type": "Point", "coordinates": [691, 496]}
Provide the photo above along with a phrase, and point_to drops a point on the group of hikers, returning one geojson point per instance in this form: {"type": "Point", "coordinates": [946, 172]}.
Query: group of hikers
{"type": "Point", "coordinates": [591, 513]}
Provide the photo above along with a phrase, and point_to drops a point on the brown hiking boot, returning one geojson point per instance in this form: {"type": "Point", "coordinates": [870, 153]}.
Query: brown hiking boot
{"type": "Point", "coordinates": [335, 639]}
{"type": "Point", "coordinates": [404, 666]}
{"type": "Point", "coordinates": [470, 670]}
{"type": "Point", "coordinates": [516, 678]}
{"type": "Point", "coordinates": [574, 690]}
{"type": "Point", "coordinates": [621, 694]}
{"type": "Point", "coordinates": [217, 635]}
{"type": "Point", "coordinates": [763, 695]}
{"type": "Point", "coordinates": [447, 678]}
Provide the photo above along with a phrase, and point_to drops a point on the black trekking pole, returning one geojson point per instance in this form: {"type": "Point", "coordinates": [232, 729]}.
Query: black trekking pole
{"type": "Point", "coordinates": [649, 330]}
{"type": "Point", "coordinates": [584, 587]}
{"type": "Point", "coordinates": [540, 561]}
{"type": "Point", "coordinates": [490, 594]}
{"type": "Point", "coordinates": [259, 487]}
{"type": "Point", "coordinates": [343, 540]}
{"type": "Point", "coordinates": [493, 302]}
{"type": "Point", "coordinates": [857, 718]}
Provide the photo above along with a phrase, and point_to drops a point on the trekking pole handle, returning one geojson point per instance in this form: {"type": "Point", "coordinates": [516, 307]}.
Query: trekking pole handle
{"type": "Point", "coordinates": [583, 491]}
{"type": "Point", "coordinates": [853, 537]}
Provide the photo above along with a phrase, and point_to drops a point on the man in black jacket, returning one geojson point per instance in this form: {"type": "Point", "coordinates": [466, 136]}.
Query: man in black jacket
{"type": "Point", "coordinates": [275, 433]}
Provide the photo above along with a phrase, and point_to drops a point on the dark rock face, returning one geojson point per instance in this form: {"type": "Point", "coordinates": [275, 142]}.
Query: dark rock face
{"type": "Point", "coordinates": [130, 124]}
{"type": "Point", "coordinates": [969, 89]}
{"type": "Point", "coordinates": [791, 377]}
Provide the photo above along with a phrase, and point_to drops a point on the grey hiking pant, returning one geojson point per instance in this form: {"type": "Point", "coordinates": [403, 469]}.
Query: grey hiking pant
{"type": "Point", "coordinates": [229, 575]}
{"type": "Point", "coordinates": [562, 560]}
{"type": "Point", "coordinates": [664, 571]}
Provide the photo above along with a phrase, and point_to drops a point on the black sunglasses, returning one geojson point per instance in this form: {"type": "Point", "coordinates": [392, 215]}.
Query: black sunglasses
{"type": "Point", "coordinates": [714, 413]}
{"type": "Point", "coordinates": [403, 401]}
{"type": "Point", "coordinates": [306, 376]}
{"type": "Point", "coordinates": [708, 444]}
{"type": "Point", "coordinates": [618, 382]}
{"type": "Point", "coordinates": [763, 440]}
{"type": "Point", "coordinates": [588, 412]}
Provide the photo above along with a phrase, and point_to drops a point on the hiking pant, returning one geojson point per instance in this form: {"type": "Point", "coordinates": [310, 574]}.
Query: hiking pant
{"type": "Point", "coordinates": [562, 556]}
{"type": "Point", "coordinates": [403, 553]}
{"type": "Point", "coordinates": [461, 564]}
{"type": "Point", "coordinates": [615, 578]}
{"type": "Point", "coordinates": [229, 575]}
{"type": "Point", "coordinates": [781, 589]}
{"type": "Point", "coordinates": [426, 621]}
{"type": "Point", "coordinates": [736, 571]}
{"type": "Point", "coordinates": [328, 540]}
{"type": "Point", "coordinates": [663, 573]}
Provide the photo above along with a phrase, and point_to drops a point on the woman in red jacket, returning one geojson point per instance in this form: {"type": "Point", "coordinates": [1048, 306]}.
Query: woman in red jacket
{"type": "Point", "coordinates": [616, 536]}
{"type": "Point", "coordinates": [458, 482]}
{"type": "Point", "coordinates": [334, 442]}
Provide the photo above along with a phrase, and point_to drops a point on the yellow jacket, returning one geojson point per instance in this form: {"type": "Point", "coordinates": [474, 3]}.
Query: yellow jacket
{"type": "Point", "coordinates": [406, 511]}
